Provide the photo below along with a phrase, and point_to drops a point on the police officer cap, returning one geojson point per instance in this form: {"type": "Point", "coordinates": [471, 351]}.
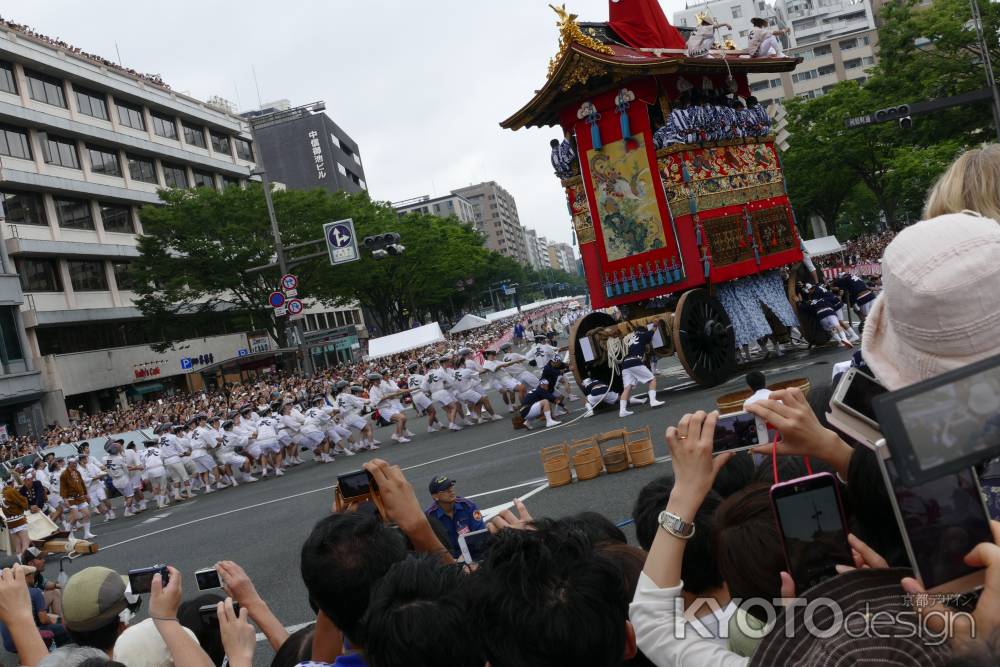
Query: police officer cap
{"type": "Point", "coordinates": [356, 389]}
{"type": "Point", "coordinates": [227, 424]}
{"type": "Point", "coordinates": [341, 385]}
{"type": "Point", "coordinates": [440, 483]}
{"type": "Point", "coordinates": [506, 347]}
{"type": "Point", "coordinates": [374, 377]}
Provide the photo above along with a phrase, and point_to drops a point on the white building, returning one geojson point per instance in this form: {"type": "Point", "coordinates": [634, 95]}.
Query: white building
{"type": "Point", "coordinates": [735, 12]}
{"type": "Point", "coordinates": [531, 247]}
{"type": "Point", "coordinates": [448, 205]}
{"type": "Point", "coordinates": [497, 219]}
{"type": "Point", "coordinates": [83, 144]}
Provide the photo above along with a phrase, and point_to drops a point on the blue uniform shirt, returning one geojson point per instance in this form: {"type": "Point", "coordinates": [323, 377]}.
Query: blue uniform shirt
{"type": "Point", "coordinates": [465, 519]}
{"type": "Point", "coordinates": [637, 350]}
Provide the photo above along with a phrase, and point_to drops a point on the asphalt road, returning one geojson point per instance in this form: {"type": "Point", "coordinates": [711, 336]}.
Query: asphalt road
{"type": "Point", "coordinates": [262, 525]}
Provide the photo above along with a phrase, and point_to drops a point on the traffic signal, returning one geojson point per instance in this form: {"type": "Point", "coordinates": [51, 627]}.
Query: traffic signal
{"type": "Point", "coordinates": [384, 245]}
{"type": "Point", "coordinates": [905, 122]}
{"type": "Point", "coordinates": [893, 113]}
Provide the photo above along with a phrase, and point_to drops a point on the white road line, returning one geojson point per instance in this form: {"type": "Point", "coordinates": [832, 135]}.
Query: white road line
{"type": "Point", "coordinates": [290, 629]}
{"type": "Point", "coordinates": [151, 519]}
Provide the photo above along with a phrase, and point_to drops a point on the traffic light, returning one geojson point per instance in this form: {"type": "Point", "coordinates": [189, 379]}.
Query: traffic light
{"type": "Point", "coordinates": [905, 122]}
{"type": "Point", "coordinates": [893, 113]}
{"type": "Point", "coordinates": [384, 245]}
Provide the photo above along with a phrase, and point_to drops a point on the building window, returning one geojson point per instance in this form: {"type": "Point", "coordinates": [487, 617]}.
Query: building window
{"type": "Point", "coordinates": [826, 69]}
{"type": "Point", "coordinates": [74, 213]}
{"type": "Point", "coordinates": [175, 176]}
{"type": "Point", "coordinates": [141, 169]}
{"type": "Point", "coordinates": [193, 135]}
{"type": "Point", "coordinates": [130, 115]}
{"type": "Point", "coordinates": [342, 169]}
{"type": "Point", "coordinates": [14, 142]}
{"type": "Point", "coordinates": [91, 103]}
{"type": "Point", "coordinates": [24, 208]}
{"type": "Point", "coordinates": [852, 64]}
{"type": "Point", "coordinates": [124, 278]}
{"type": "Point", "coordinates": [7, 81]}
{"type": "Point", "coordinates": [759, 86]}
{"type": "Point", "coordinates": [775, 83]}
{"type": "Point", "coordinates": [203, 179]}
{"type": "Point", "coordinates": [103, 161]}
{"type": "Point", "coordinates": [230, 182]}
{"type": "Point", "coordinates": [737, 12]}
{"type": "Point", "coordinates": [62, 152]}
{"type": "Point", "coordinates": [38, 274]}
{"type": "Point", "coordinates": [220, 142]}
{"type": "Point", "coordinates": [42, 88]}
{"type": "Point", "coordinates": [357, 159]}
{"type": "Point", "coordinates": [10, 342]}
{"type": "Point", "coordinates": [823, 50]}
{"type": "Point", "coordinates": [87, 275]}
{"type": "Point", "coordinates": [804, 76]}
{"type": "Point", "coordinates": [117, 218]}
{"type": "Point", "coordinates": [164, 126]}
{"type": "Point", "coordinates": [244, 149]}
{"type": "Point", "coordinates": [847, 44]}
{"type": "Point", "coordinates": [868, 60]}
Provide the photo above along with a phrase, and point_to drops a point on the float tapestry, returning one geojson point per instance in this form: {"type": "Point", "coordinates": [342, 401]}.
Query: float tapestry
{"type": "Point", "coordinates": [626, 202]}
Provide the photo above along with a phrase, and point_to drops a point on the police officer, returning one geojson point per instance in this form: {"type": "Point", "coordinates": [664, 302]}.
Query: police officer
{"type": "Point", "coordinates": [458, 515]}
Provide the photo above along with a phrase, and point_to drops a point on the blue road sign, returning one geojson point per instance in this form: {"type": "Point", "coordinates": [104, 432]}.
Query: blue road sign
{"type": "Point", "coordinates": [277, 299]}
{"type": "Point", "coordinates": [185, 363]}
{"type": "Point", "coordinates": [341, 242]}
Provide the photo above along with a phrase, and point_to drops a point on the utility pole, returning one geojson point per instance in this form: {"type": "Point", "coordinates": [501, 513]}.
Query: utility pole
{"type": "Point", "coordinates": [977, 19]}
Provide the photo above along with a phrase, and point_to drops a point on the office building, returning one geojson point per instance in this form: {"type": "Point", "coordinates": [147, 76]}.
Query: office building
{"type": "Point", "coordinates": [449, 205]}
{"type": "Point", "coordinates": [531, 248]}
{"type": "Point", "coordinates": [496, 218]}
{"type": "Point", "coordinates": [308, 151]}
{"type": "Point", "coordinates": [83, 144]}
{"type": "Point", "coordinates": [561, 257]}
{"type": "Point", "coordinates": [20, 381]}
{"type": "Point", "coordinates": [543, 253]}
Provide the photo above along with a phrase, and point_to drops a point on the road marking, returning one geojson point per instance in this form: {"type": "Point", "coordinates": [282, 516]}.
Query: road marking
{"type": "Point", "coordinates": [508, 488]}
{"type": "Point", "coordinates": [290, 629]}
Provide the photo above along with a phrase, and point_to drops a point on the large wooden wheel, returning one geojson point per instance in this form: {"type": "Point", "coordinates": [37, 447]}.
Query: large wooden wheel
{"type": "Point", "coordinates": [703, 338]}
{"type": "Point", "coordinates": [597, 369]}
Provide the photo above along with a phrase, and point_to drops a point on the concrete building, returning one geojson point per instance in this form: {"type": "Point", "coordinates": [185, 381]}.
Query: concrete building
{"type": "Point", "coordinates": [83, 144]}
{"type": "Point", "coordinates": [308, 151]}
{"type": "Point", "coordinates": [543, 253]}
{"type": "Point", "coordinates": [496, 218]}
{"type": "Point", "coordinates": [531, 247]}
{"type": "Point", "coordinates": [837, 40]}
{"type": "Point", "coordinates": [448, 205]}
{"type": "Point", "coordinates": [561, 257]}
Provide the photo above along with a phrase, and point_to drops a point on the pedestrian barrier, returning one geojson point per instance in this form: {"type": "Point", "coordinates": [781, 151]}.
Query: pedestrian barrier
{"type": "Point", "coordinates": [555, 462]}
{"type": "Point", "coordinates": [586, 457]}
{"type": "Point", "coordinates": [639, 446]}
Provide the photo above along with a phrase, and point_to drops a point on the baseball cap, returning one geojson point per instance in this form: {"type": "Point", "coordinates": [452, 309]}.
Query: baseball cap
{"type": "Point", "coordinates": [93, 598]}
{"type": "Point", "coordinates": [441, 483]}
{"type": "Point", "coordinates": [7, 562]}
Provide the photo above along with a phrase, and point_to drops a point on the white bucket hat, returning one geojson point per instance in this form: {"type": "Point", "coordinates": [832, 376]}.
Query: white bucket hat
{"type": "Point", "coordinates": [940, 305]}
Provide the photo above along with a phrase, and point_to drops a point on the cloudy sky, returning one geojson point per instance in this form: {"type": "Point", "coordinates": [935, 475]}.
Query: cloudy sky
{"type": "Point", "coordinates": [421, 85]}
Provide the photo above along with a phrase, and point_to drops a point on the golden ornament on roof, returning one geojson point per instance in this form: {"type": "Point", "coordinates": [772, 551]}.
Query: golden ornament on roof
{"type": "Point", "coordinates": [570, 32]}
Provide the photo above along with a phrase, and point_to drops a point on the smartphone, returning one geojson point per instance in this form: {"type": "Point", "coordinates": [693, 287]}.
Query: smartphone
{"type": "Point", "coordinates": [473, 545]}
{"type": "Point", "coordinates": [739, 430]}
{"type": "Point", "coordinates": [141, 580]}
{"type": "Point", "coordinates": [812, 527]}
{"type": "Point", "coordinates": [945, 424]}
{"type": "Point", "coordinates": [355, 484]}
{"type": "Point", "coordinates": [940, 521]}
{"type": "Point", "coordinates": [208, 579]}
{"type": "Point", "coordinates": [209, 613]}
{"type": "Point", "coordinates": [855, 394]}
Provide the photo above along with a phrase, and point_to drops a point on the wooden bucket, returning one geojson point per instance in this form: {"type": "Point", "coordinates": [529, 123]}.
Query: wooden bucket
{"type": "Point", "coordinates": [639, 446]}
{"type": "Point", "coordinates": [615, 459]}
{"type": "Point", "coordinates": [586, 457]}
{"type": "Point", "coordinates": [555, 462]}
{"type": "Point", "coordinates": [733, 402]}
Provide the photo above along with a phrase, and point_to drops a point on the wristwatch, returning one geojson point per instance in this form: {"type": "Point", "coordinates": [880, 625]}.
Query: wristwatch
{"type": "Point", "coordinates": [675, 525]}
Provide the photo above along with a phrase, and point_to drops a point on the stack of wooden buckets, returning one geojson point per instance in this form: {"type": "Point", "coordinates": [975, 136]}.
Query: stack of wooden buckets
{"type": "Point", "coordinates": [611, 452]}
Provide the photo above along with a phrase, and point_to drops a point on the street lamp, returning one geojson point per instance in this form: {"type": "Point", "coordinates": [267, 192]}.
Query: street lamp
{"type": "Point", "coordinates": [269, 120]}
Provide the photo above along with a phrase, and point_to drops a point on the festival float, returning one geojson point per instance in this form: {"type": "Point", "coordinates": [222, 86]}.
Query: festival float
{"type": "Point", "coordinates": [697, 237]}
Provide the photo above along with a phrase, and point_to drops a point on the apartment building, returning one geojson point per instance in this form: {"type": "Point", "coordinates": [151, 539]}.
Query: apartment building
{"type": "Point", "coordinates": [531, 247]}
{"type": "Point", "coordinates": [497, 219]}
{"type": "Point", "coordinates": [561, 257]}
{"type": "Point", "coordinates": [450, 205]}
{"type": "Point", "coordinates": [83, 144]}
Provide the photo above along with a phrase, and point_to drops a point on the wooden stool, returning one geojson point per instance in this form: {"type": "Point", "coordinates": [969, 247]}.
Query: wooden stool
{"type": "Point", "coordinates": [586, 457]}
{"type": "Point", "coordinates": [555, 462]}
{"type": "Point", "coordinates": [639, 446]}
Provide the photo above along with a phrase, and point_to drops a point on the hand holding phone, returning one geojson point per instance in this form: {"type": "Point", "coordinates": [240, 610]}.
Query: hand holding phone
{"type": "Point", "coordinates": [141, 579]}
{"type": "Point", "coordinates": [738, 431]}
{"type": "Point", "coordinates": [691, 443]}
{"type": "Point", "coordinates": [208, 579]}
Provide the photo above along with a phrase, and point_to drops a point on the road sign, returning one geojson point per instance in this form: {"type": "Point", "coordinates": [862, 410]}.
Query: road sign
{"type": "Point", "coordinates": [289, 282]}
{"type": "Point", "coordinates": [242, 352]}
{"type": "Point", "coordinates": [280, 312]}
{"type": "Point", "coordinates": [341, 242]}
{"type": "Point", "coordinates": [277, 300]}
{"type": "Point", "coordinates": [186, 363]}
{"type": "Point", "coordinates": [295, 309]}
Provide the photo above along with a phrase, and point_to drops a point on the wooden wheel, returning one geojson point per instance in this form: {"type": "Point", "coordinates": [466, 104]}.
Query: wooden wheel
{"type": "Point", "coordinates": [704, 338]}
{"type": "Point", "coordinates": [597, 369]}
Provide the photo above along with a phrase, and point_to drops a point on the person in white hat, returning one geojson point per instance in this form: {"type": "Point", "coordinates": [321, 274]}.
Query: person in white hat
{"type": "Point", "coordinates": [939, 308]}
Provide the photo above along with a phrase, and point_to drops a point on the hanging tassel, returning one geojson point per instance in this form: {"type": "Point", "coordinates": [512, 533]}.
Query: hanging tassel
{"type": "Point", "coordinates": [595, 131]}
{"type": "Point", "coordinates": [623, 101]}
{"type": "Point", "coordinates": [697, 234]}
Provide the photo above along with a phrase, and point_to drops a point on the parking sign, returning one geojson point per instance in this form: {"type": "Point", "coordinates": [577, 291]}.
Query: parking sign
{"type": "Point", "coordinates": [341, 242]}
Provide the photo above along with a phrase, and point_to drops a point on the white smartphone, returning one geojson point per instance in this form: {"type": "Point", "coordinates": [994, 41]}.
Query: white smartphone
{"type": "Point", "coordinates": [738, 431]}
{"type": "Point", "coordinates": [208, 579]}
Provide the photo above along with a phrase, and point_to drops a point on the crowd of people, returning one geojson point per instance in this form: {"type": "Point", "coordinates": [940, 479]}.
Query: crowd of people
{"type": "Point", "coordinates": [212, 441]}
{"type": "Point", "coordinates": [698, 116]}
{"type": "Point", "coordinates": [708, 583]}
{"type": "Point", "coordinates": [28, 31]}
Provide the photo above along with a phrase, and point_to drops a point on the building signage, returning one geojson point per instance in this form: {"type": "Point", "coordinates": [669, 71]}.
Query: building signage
{"type": "Point", "coordinates": [259, 343]}
{"type": "Point", "coordinates": [143, 373]}
{"type": "Point", "coordinates": [242, 352]}
{"type": "Point", "coordinates": [187, 363]}
{"type": "Point", "coordinates": [317, 153]}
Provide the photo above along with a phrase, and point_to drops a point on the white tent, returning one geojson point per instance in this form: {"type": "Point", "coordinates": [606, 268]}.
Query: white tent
{"type": "Point", "coordinates": [826, 245]}
{"type": "Point", "coordinates": [468, 322]}
{"type": "Point", "coordinates": [405, 340]}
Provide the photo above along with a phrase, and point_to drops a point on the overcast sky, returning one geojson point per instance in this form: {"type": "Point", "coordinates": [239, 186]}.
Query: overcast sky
{"type": "Point", "coordinates": [420, 85]}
